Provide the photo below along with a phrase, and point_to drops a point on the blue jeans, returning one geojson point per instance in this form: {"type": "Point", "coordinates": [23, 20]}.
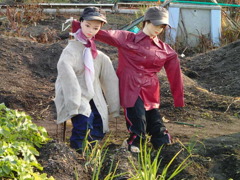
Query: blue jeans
{"type": "Point", "coordinates": [81, 125]}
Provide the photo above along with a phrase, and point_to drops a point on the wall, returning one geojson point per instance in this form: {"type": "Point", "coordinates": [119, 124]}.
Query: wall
{"type": "Point", "coordinates": [192, 22]}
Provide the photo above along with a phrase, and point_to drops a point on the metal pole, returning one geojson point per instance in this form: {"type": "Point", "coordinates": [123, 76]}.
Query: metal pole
{"type": "Point", "coordinates": [64, 131]}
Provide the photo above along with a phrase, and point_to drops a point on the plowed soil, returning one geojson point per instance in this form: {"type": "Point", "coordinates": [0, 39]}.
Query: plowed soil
{"type": "Point", "coordinates": [210, 119]}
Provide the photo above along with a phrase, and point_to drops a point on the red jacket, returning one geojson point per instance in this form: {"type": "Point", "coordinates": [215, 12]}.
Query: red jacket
{"type": "Point", "coordinates": [140, 59]}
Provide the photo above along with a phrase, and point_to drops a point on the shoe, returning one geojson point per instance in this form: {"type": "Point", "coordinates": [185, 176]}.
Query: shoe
{"type": "Point", "coordinates": [129, 147]}
{"type": "Point", "coordinates": [165, 139]}
{"type": "Point", "coordinates": [133, 149]}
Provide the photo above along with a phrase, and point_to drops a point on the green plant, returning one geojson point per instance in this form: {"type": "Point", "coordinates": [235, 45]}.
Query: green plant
{"type": "Point", "coordinates": [148, 168]}
{"type": "Point", "coordinates": [18, 138]}
{"type": "Point", "coordinates": [18, 127]}
{"type": "Point", "coordinates": [190, 146]}
{"type": "Point", "coordinates": [94, 155]}
{"type": "Point", "coordinates": [76, 174]}
{"type": "Point", "coordinates": [180, 167]}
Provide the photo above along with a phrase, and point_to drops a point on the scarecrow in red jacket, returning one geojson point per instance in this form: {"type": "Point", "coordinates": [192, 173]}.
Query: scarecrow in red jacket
{"type": "Point", "coordinates": [141, 56]}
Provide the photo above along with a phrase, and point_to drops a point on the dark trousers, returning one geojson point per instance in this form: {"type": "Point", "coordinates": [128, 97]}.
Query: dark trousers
{"type": "Point", "coordinates": [141, 122]}
{"type": "Point", "coordinates": [81, 125]}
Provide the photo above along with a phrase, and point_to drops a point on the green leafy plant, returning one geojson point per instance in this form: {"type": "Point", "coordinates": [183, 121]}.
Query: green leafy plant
{"type": "Point", "coordinates": [18, 127]}
{"type": "Point", "coordinates": [18, 138]}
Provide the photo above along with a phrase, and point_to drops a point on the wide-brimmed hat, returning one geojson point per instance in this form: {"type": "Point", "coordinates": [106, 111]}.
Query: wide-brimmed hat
{"type": "Point", "coordinates": [157, 16]}
{"type": "Point", "coordinates": [94, 13]}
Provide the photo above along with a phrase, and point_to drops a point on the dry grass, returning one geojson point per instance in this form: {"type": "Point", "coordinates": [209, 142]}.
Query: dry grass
{"type": "Point", "coordinates": [230, 25]}
{"type": "Point", "coordinates": [20, 16]}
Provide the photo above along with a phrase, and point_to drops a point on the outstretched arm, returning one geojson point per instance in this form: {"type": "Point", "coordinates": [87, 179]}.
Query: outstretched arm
{"type": "Point", "coordinates": [112, 37]}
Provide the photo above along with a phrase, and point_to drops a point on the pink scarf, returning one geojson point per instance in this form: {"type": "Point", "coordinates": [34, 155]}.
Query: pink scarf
{"type": "Point", "coordinates": [89, 53]}
{"type": "Point", "coordinates": [90, 42]}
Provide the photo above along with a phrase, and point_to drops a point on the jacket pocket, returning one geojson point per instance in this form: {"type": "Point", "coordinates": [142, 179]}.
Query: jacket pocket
{"type": "Point", "coordinates": [133, 52]}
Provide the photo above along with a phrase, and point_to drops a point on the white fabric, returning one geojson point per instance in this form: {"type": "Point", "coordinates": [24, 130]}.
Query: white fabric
{"type": "Point", "coordinates": [71, 92]}
{"type": "Point", "coordinates": [88, 63]}
{"type": "Point", "coordinates": [89, 69]}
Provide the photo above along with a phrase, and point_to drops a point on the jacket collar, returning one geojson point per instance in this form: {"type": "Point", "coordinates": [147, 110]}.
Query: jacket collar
{"type": "Point", "coordinates": [141, 35]}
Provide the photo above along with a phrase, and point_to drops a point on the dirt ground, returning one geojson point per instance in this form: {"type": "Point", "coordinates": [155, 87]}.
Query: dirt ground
{"type": "Point", "coordinates": [211, 117]}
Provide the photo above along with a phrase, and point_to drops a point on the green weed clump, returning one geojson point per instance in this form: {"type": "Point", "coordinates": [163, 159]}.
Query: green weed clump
{"type": "Point", "coordinates": [149, 166]}
{"type": "Point", "coordinates": [94, 155]}
{"type": "Point", "coordinates": [18, 139]}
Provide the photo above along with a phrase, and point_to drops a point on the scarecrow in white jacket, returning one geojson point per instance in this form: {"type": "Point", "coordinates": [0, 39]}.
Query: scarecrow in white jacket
{"type": "Point", "coordinates": [86, 88]}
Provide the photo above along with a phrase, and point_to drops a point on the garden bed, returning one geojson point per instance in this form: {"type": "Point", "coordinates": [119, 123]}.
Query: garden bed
{"type": "Point", "coordinates": [28, 73]}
